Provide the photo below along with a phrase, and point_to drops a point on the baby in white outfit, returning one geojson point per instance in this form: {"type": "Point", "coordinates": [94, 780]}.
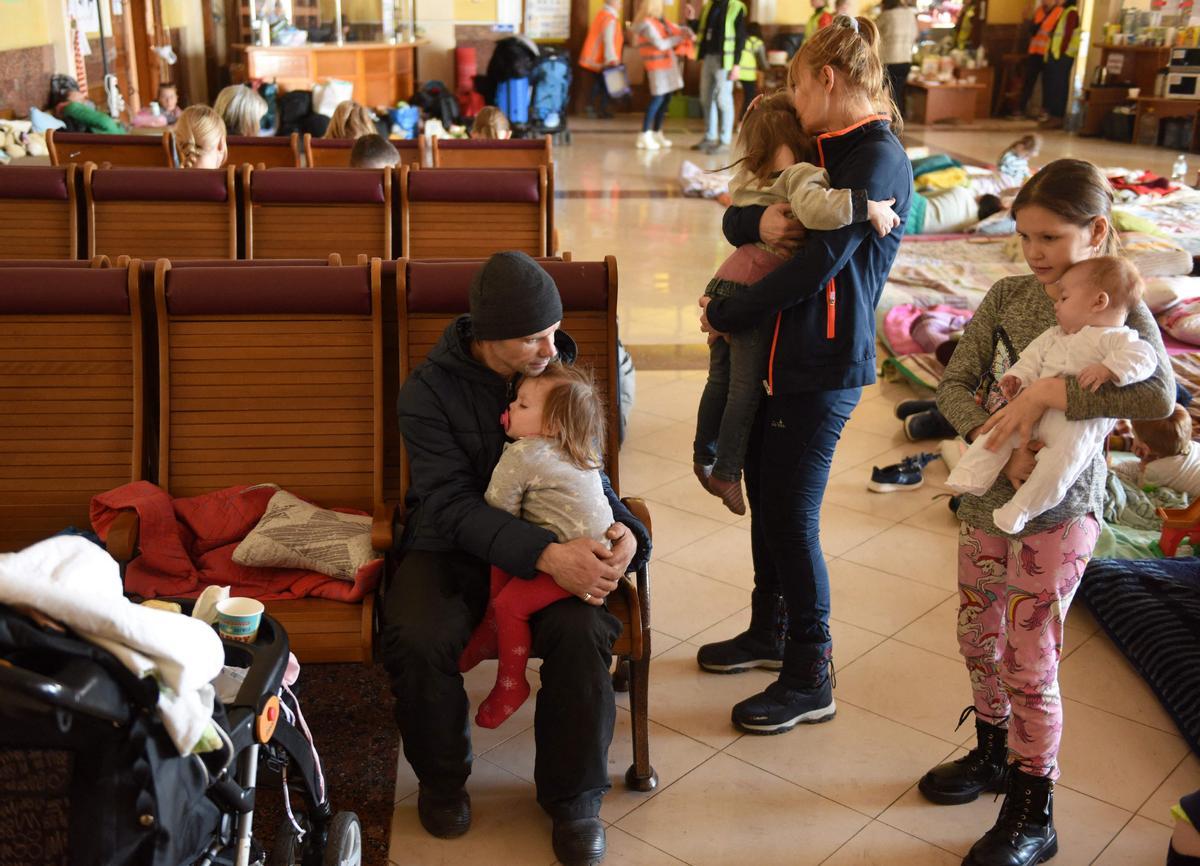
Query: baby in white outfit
{"type": "Point", "coordinates": [1091, 343]}
{"type": "Point", "coordinates": [1168, 457]}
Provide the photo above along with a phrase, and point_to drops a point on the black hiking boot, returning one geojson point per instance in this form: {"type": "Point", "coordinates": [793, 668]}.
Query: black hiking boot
{"type": "Point", "coordinates": [1024, 833]}
{"type": "Point", "coordinates": [981, 769]}
{"type": "Point", "coordinates": [759, 646]}
{"type": "Point", "coordinates": [803, 695]}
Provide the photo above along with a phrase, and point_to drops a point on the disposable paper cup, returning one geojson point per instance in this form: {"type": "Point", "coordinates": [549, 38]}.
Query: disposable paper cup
{"type": "Point", "coordinates": [238, 618]}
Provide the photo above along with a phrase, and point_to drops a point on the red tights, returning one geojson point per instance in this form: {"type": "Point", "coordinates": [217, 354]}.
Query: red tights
{"type": "Point", "coordinates": [504, 634]}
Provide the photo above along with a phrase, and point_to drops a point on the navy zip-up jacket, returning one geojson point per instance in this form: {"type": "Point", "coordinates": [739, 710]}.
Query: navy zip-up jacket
{"type": "Point", "coordinates": [449, 410]}
{"type": "Point", "coordinates": [825, 296]}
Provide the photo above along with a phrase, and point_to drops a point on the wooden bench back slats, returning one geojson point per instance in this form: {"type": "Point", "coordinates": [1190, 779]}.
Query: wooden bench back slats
{"type": "Point", "coordinates": [39, 230]}
{"type": "Point", "coordinates": [70, 388]}
{"type": "Point", "coordinates": [162, 229]}
{"type": "Point", "coordinates": [127, 150]}
{"type": "Point", "coordinates": [497, 156]}
{"type": "Point", "coordinates": [270, 152]}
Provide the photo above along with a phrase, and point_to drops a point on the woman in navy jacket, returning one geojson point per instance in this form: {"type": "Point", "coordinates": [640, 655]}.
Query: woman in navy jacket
{"type": "Point", "coordinates": [822, 354]}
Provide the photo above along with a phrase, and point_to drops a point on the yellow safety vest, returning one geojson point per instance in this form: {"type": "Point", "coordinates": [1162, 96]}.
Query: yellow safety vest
{"type": "Point", "coordinates": [814, 23]}
{"type": "Point", "coordinates": [732, 11]}
{"type": "Point", "coordinates": [1056, 41]}
{"type": "Point", "coordinates": [748, 67]}
{"type": "Point", "coordinates": [1039, 44]}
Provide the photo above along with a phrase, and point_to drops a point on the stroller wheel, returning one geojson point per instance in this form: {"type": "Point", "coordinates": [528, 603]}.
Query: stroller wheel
{"type": "Point", "coordinates": [343, 845]}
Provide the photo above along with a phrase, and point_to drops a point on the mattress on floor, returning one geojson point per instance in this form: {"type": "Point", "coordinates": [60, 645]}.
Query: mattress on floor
{"type": "Point", "coordinates": [1151, 610]}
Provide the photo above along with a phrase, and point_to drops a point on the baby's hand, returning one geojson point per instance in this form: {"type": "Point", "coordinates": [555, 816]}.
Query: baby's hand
{"type": "Point", "coordinates": [1093, 376]}
{"type": "Point", "coordinates": [1009, 386]}
{"type": "Point", "coordinates": [1141, 450]}
{"type": "Point", "coordinates": [882, 217]}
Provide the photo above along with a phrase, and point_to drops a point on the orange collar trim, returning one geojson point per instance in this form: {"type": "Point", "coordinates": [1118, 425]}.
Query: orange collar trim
{"type": "Point", "coordinates": [869, 119]}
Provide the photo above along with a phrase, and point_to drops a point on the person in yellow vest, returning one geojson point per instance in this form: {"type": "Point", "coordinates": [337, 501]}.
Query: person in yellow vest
{"type": "Point", "coordinates": [1041, 26]}
{"type": "Point", "coordinates": [753, 58]}
{"type": "Point", "coordinates": [721, 37]}
{"type": "Point", "coordinates": [821, 17]}
{"type": "Point", "coordinates": [659, 42]}
{"type": "Point", "coordinates": [601, 49]}
{"type": "Point", "coordinates": [1060, 60]}
{"type": "Point", "coordinates": [966, 30]}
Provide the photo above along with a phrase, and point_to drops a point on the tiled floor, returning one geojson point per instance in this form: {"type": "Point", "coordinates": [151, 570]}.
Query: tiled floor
{"type": "Point", "coordinates": [841, 793]}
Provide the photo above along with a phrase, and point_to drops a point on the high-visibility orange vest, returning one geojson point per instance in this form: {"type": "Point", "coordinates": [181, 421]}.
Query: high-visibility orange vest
{"type": "Point", "coordinates": [652, 58]}
{"type": "Point", "coordinates": [1044, 21]}
{"type": "Point", "coordinates": [591, 56]}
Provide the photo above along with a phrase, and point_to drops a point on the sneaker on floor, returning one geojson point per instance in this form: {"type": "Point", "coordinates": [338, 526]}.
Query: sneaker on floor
{"type": "Point", "coordinates": [905, 475]}
{"type": "Point", "coordinates": [911, 407]}
{"type": "Point", "coordinates": [662, 140]}
{"type": "Point", "coordinates": [715, 147]}
{"type": "Point", "coordinates": [928, 425]}
{"type": "Point", "coordinates": [703, 144]}
{"type": "Point", "coordinates": [647, 141]}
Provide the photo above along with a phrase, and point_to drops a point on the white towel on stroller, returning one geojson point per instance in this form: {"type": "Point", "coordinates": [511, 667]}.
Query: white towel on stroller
{"type": "Point", "coordinates": [75, 582]}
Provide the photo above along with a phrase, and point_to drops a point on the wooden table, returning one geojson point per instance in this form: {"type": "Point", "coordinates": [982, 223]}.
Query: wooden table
{"type": "Point", "coordinates": [1151, 110]}
{"type": "Point", "coordinates": [1097, 103]}
{"type": "Point", "coordinates": [382, 73]}
{"type": "Point", "coordinates": [929, 102]}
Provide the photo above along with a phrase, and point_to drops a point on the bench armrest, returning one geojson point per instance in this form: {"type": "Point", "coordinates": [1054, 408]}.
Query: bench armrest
{"type": "Point", "coordinates": [388, 517]}
{"type": "Point", "coordinates": [637, 507]}
{"type": "Point", "coordinates": [122, 542]}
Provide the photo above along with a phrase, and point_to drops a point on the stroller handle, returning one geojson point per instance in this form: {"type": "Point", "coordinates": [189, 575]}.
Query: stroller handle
{"type": "Point", "coordinates": [266, 658]}
{"type": "Point", "coordinates": [90, 691]}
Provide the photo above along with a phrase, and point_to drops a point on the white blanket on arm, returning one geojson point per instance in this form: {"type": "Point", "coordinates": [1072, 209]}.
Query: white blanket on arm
{"type": "Point", "coordinates": [75, 582]}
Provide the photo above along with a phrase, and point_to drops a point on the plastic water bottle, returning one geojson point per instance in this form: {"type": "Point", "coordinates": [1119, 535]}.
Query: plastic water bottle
{"type": "Point", "coordinates": [1179, 171]}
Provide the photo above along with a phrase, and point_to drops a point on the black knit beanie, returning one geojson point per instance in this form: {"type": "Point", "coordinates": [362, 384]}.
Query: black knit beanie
{"type": "Point", "coordinates": [512, 296]}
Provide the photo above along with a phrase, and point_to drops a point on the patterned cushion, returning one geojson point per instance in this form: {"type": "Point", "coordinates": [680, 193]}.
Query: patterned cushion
{"type": "Point", "coordinates": [296, 534]}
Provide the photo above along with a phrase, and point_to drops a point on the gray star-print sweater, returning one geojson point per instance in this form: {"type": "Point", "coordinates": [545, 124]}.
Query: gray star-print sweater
{"type": "Point", "coordinates": [535, 481]}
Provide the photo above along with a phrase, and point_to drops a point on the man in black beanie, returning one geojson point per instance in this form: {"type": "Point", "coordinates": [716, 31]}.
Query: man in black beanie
{"type": "Point", "coordinates": [450, 410]}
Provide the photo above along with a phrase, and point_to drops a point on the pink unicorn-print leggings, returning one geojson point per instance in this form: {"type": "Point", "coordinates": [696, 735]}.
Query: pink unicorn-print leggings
{"type": "Point", "coordinates": [1014, 595]}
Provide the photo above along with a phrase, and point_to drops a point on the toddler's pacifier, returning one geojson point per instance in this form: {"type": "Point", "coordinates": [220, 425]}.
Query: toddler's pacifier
{"type": "Point", "coordinates": [504, 419]}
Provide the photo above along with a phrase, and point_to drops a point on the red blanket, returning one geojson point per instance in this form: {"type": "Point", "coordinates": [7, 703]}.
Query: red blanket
{"type": "Point", "coordinates": [187, 544]}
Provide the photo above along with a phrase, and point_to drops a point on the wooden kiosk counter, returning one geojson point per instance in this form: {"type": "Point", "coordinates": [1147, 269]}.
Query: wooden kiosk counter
{"type": "Point", "coordinates": [382, 73]}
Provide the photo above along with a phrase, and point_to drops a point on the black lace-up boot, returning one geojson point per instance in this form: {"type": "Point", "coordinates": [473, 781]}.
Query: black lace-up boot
{"type": "Point", "coordinates": [981, 769]}
{"type": "Point", "coordinates": [1024, 833]}
{"type": "Point", "coordinates": [759, 646]}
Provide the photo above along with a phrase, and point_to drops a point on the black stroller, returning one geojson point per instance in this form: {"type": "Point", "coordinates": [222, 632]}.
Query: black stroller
{"type": "Point", "coordinates": [88, 774]}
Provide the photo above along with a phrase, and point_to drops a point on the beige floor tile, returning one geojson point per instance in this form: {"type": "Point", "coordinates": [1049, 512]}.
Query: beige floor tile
{"type": "Point", "coordinates": [849, 490]}
{"type": "Point", "coordinates": [726, 811]}
{"type": "Point", "coordinates": [1080, 619]}
{"type": "Point", "coordinates": [626, 850]}
{"type": "Point", "coordinates": [878, 601]}
{"type": "Point", "coordinates": [1084, 825]}
{"type": "Point", "coordinates": [858, 759]}
{"type": "Point", "coordinates": [874, 416]}
{"type": "Point", "coordinates": [906, 551]}
{"type": "Point", "coordinates": [842, 529]}
{"type": "Point", "coordinates": [937, 517]}
{"type": "Point", "coordinates": [686, 699]}
{"type": "Point", "coordinates": [660, 643]}
{"type": "Point", "coordinates": [1098, 674]}
{"type": "Point", "coordinates": [1184, 780]}
{"type": "Point", "coordinates": [912, 686]}
{"type": "Point", "coordinates": [673, 442]}
{"type": "Point", "coordinates": [684, 603]}
{"type": "Point", "coordinates": [686, 494]}
{"type": "Point", "coordinates": [675, 528]}
{"type": "Point", "coordinates": [641, 472]}
{"type": "Point", "coordinates": [1114, 759]}
{"type": "Point", "coordinates": [936, 631]}
{"type": "Point", "coordinates": [725, 629]}
{"type": "Point", "coordinates": [880, 845]}
{"type": "Point", "coordinates": [642, 423]}
{"type": "Point", "coordinates": [508, 828]}
{"type": "Point", "coordinates": [678, 400]}
{"type": "Point", "coordinates": [1140, 843]}
{"type": "Point", "coordinates": [672, 755]}
{"type": "Point", "coordinates": [723, 556]}
{"type": "Point", "coordinates": [858, 446]}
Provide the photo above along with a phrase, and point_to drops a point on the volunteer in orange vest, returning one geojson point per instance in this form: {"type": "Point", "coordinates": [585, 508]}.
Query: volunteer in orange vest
{"type": "Point", "coordinates": [721, 33]}
{"type": "Point", "coordinates": [1041, 26]}
{"type": "Point", "coordinates": [660, 42]}
{"type": "Point", "coordinates": [1060, 61]}
{"type": "Point", "coordinates": [601, 49]}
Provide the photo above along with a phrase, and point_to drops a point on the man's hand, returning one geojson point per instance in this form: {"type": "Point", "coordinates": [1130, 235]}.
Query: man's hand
{"type": "Point", "coordinates": [1092, 376]}
{"type": "Point", "coordinates": [779, 228]}
{"type": "Point", "coordinates": [624, 547]}
{"type": "Point", "coordinates": [1142, 451]}
{"type": "Point", "coordinates": [1020, 465]}
{"type": "Point", "coordinates": [582, 568]}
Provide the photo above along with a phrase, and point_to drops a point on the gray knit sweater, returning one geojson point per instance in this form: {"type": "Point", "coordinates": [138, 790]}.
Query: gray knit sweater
{"type": "Point", "coordinates": [1014, 312]}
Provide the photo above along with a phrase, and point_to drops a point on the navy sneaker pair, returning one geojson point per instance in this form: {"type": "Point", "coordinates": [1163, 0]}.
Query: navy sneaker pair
{"type": "Point", "coordinates": [905, 475]}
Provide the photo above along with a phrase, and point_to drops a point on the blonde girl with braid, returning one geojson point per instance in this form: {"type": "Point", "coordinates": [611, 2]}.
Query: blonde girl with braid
{"type": "Point", "coordinates": [200, 138]}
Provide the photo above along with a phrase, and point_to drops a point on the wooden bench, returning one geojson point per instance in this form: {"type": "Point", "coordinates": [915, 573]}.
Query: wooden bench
{"type": "Point", "coordinates": [482, 153]}
{"type": "Point", "coordinates": [71, 388]}
{"type": "Point", "coordinates": [273, 374]}
{"type": "Point", "coordinates": [45, 217]}
{"type": "Point", "coordinates": [335, 152]}
{"type": "Point", "coordinates": [473, 213]}
{"type": "Point", "coordinates": [145, 151]}
{"type": "Point", "coordinates": [270, 151]}
{"type": "Point", "coordinates": [159, 212]}
{"type": "Point", "coordinates": [317, 211]}
{"type": "Point", "coordinates": [429, 296]}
